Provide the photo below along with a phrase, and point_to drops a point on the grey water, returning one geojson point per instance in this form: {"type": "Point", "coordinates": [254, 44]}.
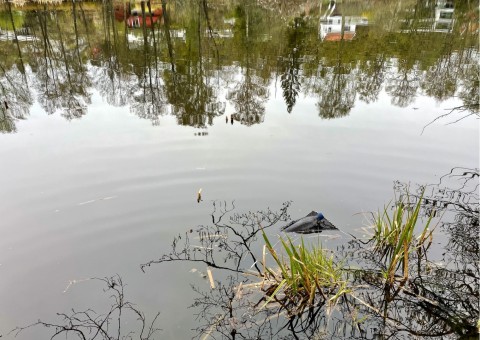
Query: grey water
{"type": "Point", "coordinates": [111, 132]}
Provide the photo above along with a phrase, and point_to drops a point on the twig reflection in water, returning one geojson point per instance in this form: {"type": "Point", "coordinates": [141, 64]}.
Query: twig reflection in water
{"type": "Point", "coordinates": [427, 300]}
{"type": "Point", "coordinates": [89, 324]}
{"type": "Point", "coordinates": [433, 300]}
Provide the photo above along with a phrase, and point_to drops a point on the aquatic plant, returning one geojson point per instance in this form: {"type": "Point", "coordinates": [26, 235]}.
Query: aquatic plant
{"type": "Point", "coordinates": [394, 239]}
{"type": "Point", "coordinates": [304, 275]}
{"type": "Point", "coordinates": [307, 293]}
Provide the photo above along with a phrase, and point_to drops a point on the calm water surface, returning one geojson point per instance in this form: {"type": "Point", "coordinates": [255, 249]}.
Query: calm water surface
{"type": "Point", "coordinates": [111, 131]}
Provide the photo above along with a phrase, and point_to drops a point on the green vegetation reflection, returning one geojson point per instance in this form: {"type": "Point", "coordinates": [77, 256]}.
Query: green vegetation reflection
{"type": "Point", "coordinates": [197, 57]}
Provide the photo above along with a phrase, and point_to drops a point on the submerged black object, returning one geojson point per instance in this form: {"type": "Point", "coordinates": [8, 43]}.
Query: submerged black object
{"type": "Point", "coordinates": [312, 223]}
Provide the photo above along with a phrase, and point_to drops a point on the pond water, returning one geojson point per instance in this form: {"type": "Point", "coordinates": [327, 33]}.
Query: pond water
{"type": "Point", "coordinates": [109, 133]}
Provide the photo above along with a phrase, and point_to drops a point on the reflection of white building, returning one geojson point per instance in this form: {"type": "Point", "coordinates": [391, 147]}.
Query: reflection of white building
{"type": "Point", "coordinates": [226, 33]}
{"type": "Point", "coordinates": [440, 20]}
{"type": "Point", "coordinates": [443, 15]}
{"type": "Point", "coordinates": [331, 27]}
{"type": "Point", "coordinates": [444, 3]}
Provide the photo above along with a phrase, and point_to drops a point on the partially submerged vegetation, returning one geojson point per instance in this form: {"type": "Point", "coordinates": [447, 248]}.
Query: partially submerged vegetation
{"type": "Point", "coordinates": [306, 274]}
{"type": "Point", "coordinates": [309, 272]}
{"type": "Point", "coordinates": [384, 286]}
{"type": "Point", "coordinates": [394, 236]}
{"type": "Point", "coordinates": [392, 284]}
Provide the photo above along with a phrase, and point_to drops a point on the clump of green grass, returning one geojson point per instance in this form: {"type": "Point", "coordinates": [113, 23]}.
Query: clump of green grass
{"type": "Point", "coordinates": [394, 237]}
{"type": "Point", "coordinates": [305, 274]}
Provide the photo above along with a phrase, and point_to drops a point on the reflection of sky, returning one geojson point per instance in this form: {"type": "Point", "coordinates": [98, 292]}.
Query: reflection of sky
{"type": "Point", "coordinates": [150, 175]}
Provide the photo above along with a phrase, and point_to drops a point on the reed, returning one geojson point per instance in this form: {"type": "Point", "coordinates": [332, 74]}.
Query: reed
{"type": "Point", "coordinates": [394, 238]}
{"type": "Point", "coordinates": [304, 274]}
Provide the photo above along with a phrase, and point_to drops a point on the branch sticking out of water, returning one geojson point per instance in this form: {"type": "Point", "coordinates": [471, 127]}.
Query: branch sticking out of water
{"type": "Point", "coordinates": [224, 245]}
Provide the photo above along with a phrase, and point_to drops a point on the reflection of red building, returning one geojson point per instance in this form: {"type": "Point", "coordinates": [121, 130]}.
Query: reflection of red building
{"type": "Point", "coordinates": [337, 36]}
{"type": "Point", "coordinates": [134, 16]}
{"type": "Point", "coordinates": [122, 11]}
{"type": "Point", "coordinates": [134, 21]}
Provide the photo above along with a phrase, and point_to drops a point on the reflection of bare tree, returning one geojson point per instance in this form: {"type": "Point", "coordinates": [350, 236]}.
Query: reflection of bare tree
{"type": "Point", "coordinates": [148, 98]}
{"type": "Point", "coordinates": [370, 77]}
{"type": "Point", "coordinates": [402, 86]}
{"type": "Point", "coordinates": [193, 100]}
{"type": "Point", "coordinates": [21, 65]}
{"type": "Point", "coordinates": [62, 80]}
{"type": "Point", "coordinates": [147, 104]}
{"type": "Point", "coordinates": [468, 92]}
{"type": "Point", "coordinates": [15, 95]}
{"type": "Point", "coordinates": [228, 311]}
{"type": "Point", "coordinates": [470, 87]}
{"type": "Point", "coordinates": [15, 98]}
{"type": "Point", "coordinates": [248, 98]}
{"type": "Point", "coordinates": [234, 238]}
{"type": "Point", "coordinates": [89, 324]}
{"type": "Point", "coordinates": [112, 84]}
{"type": "Point", "coordinates": [250, 93]}
{"type": "Point", "coordinates": [338, 92]}
{"type": "Point", "coordinates": [109, 75]}
{"type": "Point", "coordinates": [440, 81]}
{"type": "Point", "coordinates": [189, 87]}
{"type": "Point", "coordinates": [7, 122]}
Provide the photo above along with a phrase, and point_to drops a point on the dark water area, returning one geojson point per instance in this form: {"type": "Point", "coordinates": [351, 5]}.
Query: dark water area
{"type": "Point", "coordinates": [109, 132]}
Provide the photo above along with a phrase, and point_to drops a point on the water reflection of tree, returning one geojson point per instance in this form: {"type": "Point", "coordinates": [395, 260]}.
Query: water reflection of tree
{"type": "Point", "coordinates": [403, 83]}
{"type": "Point", "coordinates": [148, 97]}
{"type": "Point", "coordinates": [441, 80]}
{"type": "Point", "coordinates": [15, 95]}
{"type": "Point", "coordinates": [470, 86]}
{"type": "Point", "coordinates": [250, 93]}
{"type": "Point", "coordinates": [16, 98]}
{"type": "Point", "coordinates": [290, 65]}
{"type": "Point", "coordinates": [228, 311]}
{"type": "Point", "coordinates": [467, 74]}
{"type": "Point", "coordinates": [126, 72]}
{"type": "Point", "coordinates": [111, 75]}
{"type": "Point", "coordinates": [337, 91]}
{"type": "Point", "coordinates": [62, 80]}
{"type": "Point", "coordinates": [370, 77]}
{"type": "Point", "coordinates": [249, 97]}
{"type": "Point", "coordinates": [189, 84]}
{"type": "Point", "coordinates": [7, 122]}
